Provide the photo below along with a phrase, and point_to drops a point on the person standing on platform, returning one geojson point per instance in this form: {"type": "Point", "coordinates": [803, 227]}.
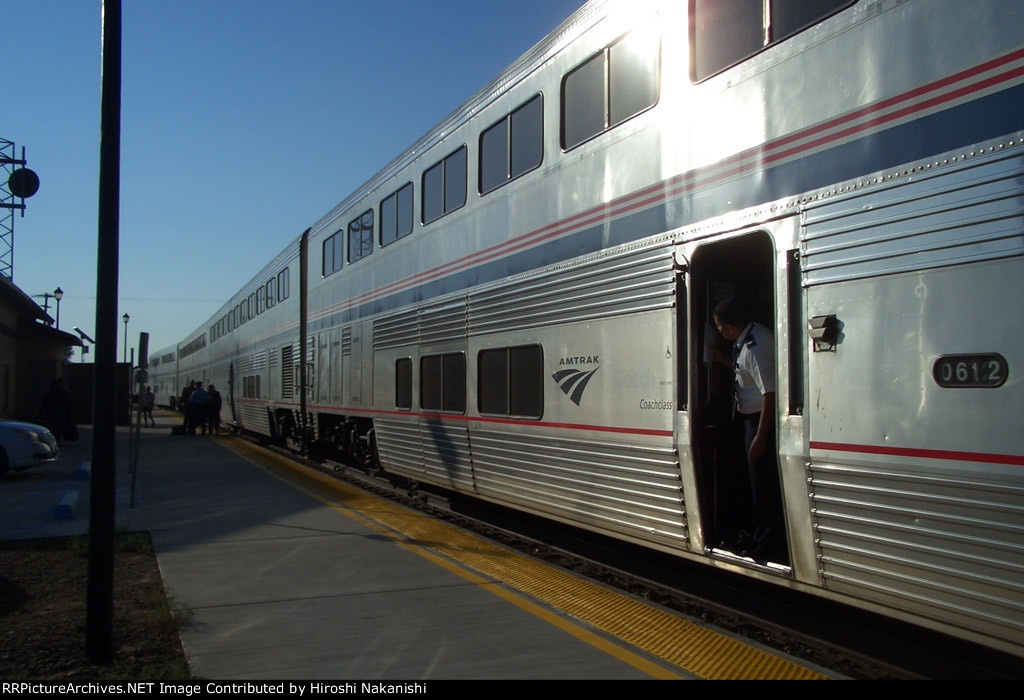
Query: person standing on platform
{"type": "Point", "coordinates": [197, 405]}
{"type": "Point", "coordinates": [184, 405]}
{"type": "Point", "coordinates": [213, 410]}
{"type": "Point", "coordinates": [146, 402]}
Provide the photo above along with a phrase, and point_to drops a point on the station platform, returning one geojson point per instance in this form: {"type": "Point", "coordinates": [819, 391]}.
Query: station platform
{"type": "Point", "coordinates": [291, 574]}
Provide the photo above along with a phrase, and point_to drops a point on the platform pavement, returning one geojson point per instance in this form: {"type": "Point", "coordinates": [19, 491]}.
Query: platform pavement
{"type": "Point", "coordinates": [282, 586]}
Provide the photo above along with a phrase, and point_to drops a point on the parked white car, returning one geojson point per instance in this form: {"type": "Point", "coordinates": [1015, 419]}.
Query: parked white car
{"type": "Point", "coordinates": [24, 445]}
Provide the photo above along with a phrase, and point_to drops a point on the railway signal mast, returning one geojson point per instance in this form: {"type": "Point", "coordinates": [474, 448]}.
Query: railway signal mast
{"type": "Point", "coordinates": [17, 183]}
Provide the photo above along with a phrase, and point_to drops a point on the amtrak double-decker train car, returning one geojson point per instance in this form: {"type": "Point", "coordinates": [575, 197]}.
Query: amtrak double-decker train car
{"type": "Point", "coordinates": [519, 306]}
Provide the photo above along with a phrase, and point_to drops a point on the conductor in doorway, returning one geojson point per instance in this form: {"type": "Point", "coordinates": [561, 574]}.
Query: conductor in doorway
{"type": "Point", "coordinates": [753, 361]}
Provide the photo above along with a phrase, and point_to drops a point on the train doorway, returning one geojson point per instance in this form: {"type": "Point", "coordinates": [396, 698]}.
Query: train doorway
{"type": "Point", "coordinates": [741, 509]}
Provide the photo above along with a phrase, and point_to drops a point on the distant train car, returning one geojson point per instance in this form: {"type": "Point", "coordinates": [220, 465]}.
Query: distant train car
{"type": "Point", "coordinates": [518, 307]}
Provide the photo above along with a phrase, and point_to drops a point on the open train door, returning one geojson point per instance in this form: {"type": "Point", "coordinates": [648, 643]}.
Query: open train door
{"type": "Point", "coordinates": [743, 268]}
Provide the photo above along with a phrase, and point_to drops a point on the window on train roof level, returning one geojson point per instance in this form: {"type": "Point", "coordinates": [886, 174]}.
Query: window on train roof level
{"type": "Point", "coordinates": [360, 236]}
{"type": "Point", "coordinates": [725, 32]}
{"type": "Point", "coordinates": [396, 215]}
{"type": "Point", "coordinates": [513, 146]}
{"type": "Point", "coordinates": [619, 82]}
{"type": "Point", "coordinates": [444, 186]}
{"type": "Point", "coordinates": [271, 292]}
{"type": "Point", "coordinates": [333, 253]}
{"type": "Point", "coordinates": [283, 284]}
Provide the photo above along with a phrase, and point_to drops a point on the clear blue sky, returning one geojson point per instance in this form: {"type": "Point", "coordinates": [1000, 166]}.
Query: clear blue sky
{"type": "Point", "coordinates": [243, 122]}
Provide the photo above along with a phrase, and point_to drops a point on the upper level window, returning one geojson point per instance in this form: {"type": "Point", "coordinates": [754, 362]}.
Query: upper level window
{"type": "Point", "coordinates": [396, 215]}
{"type": "Point", "coordinates": [610, 87]}
{"type": "Point", "coordinates": [360, 236]}
{"type": "Point", "coordinates": [513, 146]}
{"type": "Point", "coordinates": [271, 292]}
{"type": "Point", "coordinates": [444, 186]}
{"type": "Point", "coordinates": [283, 284]}
{"type": "Point", "coordinates": [725, 32]}
{"type": "Point", "coordinates": [334, 253]}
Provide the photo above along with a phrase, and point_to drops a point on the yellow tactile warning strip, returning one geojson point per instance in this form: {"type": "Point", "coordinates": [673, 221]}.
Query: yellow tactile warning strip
{"type": "Point", "coordinates": [692, 648]}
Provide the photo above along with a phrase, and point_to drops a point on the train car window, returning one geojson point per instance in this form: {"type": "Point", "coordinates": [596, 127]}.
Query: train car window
{"type": "Point", "coordinates": [444, 186]}
{"type": "Point", "coordinates": [511, 381]}
{"type": "Point", "coordinates": [794, 291]}
{"type": "Point", "coordinates": [494, 157]}
{"type": "Point", "coordinates": [271, 293]}
{"type": "Point", "coordinates": [433, 193]}
{"type": "Point", "coordinates": [251, 387]}
{"type": "Point", "coordinates": [526, 137]}
{"type": "Point", "coordinates": [334, 253]}
{"type": "Point", "coordinates": [443, 383]}
{"type": "Point", "coordinates": [327, 257]}
{"type": "Point", "coordinates": [403, 383]}
{"type": "Point", "coordinates": [360, 236]}
{"type": "Point", "coordinates": [283, 284]}
{"type": "Point", "coordinates": [430, 383]}
{"type": "Point", "coordinates": [632, 76]}
{"type": "Point", "coordinates": [251, 302]}
{"type": "Point", "coordinates": [513, 146]}
{"type": "Point", "coordinates": [396, 215]}
{"type": "Point", "coordinates": [454, 370]}
{"type": "Point", "coordinates": [726, 32]}
{"type": "Point", "coordinates": [259, 301]}
{"type": "Point", "coordinates": [610, 87]}
{"type": "Point", "coordinates": [583, 103]}
{"type": "Point", "coordinates": [455, 180]}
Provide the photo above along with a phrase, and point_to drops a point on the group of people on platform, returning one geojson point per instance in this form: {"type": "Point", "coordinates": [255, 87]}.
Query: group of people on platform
{"type": "Point", "coordinates": [201, 408]}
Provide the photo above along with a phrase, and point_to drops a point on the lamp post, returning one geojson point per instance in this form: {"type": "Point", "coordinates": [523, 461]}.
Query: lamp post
{"type": "Point", "coordinates": [125, 318]}
{"type": "Point", "coordinates": [58, 294]}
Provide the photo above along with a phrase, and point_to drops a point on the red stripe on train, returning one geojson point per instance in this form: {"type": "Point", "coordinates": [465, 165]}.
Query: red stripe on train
{"type": "Point", "coordinates": [953, 455]}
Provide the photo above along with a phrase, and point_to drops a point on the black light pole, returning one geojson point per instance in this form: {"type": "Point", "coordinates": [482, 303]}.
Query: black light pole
{"type": "Point", "coordinates": [58, 294]}
{"type": "Point", "coordinates": [125, 318]}
{"type": "Point", "coordinates": [99, 618]}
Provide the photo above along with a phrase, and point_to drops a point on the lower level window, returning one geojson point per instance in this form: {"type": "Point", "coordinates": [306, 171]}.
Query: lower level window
{"type": "Point", "coordinates": [443, 383]}
{"type": "Point", "coordinates": [511, 381]}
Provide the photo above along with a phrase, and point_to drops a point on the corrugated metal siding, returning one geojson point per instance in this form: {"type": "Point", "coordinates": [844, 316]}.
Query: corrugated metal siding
{"type": "Point", "coordinates": [944, 547]}
{"type": "Point", "coordinates": [440, 323]}
{"type": "Point", "coordinates": [952, 212]}
{"type": "Point", "coordinates": [431, 450]}
{"type": "Point", "coordinates": [626, 488]}
{"type": "Point", "coordinates": [629, 281]}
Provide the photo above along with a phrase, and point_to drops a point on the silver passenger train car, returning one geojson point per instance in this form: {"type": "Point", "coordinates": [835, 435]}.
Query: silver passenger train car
{"type": "Point", "coordinates": [518, 306]}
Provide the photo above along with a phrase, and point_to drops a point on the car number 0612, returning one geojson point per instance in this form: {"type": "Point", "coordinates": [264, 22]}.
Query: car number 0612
{"type": "Point", "coordinates": [963, 371]}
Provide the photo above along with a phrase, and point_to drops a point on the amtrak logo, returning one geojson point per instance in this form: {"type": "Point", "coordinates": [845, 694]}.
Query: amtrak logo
{"type": "Point", "coordinates": [573, 382]}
